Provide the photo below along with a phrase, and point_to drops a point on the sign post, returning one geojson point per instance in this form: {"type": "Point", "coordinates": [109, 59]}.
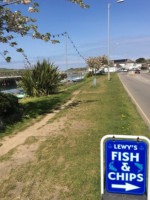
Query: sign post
{"type": "Point", "coordinates": [126, 165]}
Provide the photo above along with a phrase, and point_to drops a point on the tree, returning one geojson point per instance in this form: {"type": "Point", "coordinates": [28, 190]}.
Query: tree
{"type": "Point", "coordinates": [41, 80]}
{"type": "Point", "coordinates": [148, 60]}
{"type": "Point", "coordinates": [95, 63]}
{"type": "Point", "coordinates": [141, 60]}
{"type": "Point", "coordinates": [14, 22]}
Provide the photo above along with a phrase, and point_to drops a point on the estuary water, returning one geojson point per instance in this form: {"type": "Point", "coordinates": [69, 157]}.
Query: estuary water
{"type": "Point", "coordinates": [15, 90]}
{"type": "Point", "coordinates": [12, 91]}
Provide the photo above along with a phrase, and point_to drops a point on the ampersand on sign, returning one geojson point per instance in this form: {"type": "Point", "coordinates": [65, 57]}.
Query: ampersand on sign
{"type": "Point", "coordinates": [125, 167]}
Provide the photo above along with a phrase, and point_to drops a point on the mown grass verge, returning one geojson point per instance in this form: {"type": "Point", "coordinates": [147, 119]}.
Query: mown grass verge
{"type": "Point", "coordinates": [67, 163]}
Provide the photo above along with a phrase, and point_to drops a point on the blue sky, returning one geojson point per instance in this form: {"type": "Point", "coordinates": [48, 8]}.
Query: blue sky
{"type": "Point", "coordinates": [129, 32]}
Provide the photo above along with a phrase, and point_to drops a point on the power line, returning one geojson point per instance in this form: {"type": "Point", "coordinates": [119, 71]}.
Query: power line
{"type": "Point", "coordinates": [76, 48]}
{"type": "Point", "coordinates": [63, 34]}
{"type": "Point", "coordinates": [22, 52]}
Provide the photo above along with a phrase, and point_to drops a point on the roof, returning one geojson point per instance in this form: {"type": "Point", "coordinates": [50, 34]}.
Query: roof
{"type": "Point", "coordinates": [120, 61]}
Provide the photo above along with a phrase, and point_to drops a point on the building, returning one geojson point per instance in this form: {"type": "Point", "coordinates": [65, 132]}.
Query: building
{"type": "Point", "coordinates": [126, 63]}
{"type": "Point", "coordinates": [118, 64]}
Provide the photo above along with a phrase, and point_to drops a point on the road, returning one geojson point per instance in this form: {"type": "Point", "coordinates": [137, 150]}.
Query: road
{"type": "Point", "coordinates": [138, 87]}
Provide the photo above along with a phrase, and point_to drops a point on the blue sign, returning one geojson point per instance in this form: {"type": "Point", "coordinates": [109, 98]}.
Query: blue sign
{"type": "Point", "coordinates": [126, 163]}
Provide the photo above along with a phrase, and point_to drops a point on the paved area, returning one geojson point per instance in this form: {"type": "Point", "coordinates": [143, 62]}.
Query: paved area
{"type": "Point", "coordinates": [138, 87]}
{"type": "Point", "coordinates": [114, 196]}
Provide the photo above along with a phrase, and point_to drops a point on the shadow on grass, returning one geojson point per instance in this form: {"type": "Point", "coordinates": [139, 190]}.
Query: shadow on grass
{"type": "Point", "coordinates": [32, 108]}
{"type": "Point", "coordinates": [74, 104]}
{"type": "Point", "coordinates": [41, 107]}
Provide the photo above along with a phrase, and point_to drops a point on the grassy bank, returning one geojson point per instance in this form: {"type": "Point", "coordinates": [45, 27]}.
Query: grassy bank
{"type": "Point", "coordinates": [66, 164]}
{"type": "Point", "coordinates": [36, 108]}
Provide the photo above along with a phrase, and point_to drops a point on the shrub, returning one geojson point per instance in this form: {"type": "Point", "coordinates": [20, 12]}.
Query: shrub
{"type": "Point", "coordinates": [10, 109]}
{"type": "Point", "coordinates": [89, 74]}
{"type": "Point", "coordinates": [41, 80]}
{"type": "Point", "coordinates": [63, 76]}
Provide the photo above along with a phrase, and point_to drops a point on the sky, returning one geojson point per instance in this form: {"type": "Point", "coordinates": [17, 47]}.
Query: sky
{"type": "Point", "coordinates": [88, 29]}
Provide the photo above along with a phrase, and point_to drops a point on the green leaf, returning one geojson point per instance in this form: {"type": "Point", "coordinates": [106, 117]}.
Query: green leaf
{"type": "Point", "coordinates": [20, 50]}
{"type": "Point", "coordinates": [7, 9]}
{"type": "Point", "coordinates": [35, 5]}
{"type": "Point", "coordinates": [55, 41]}
{"type": "Point", "coordinates": [36, 10]}
{"type": "Point", "coordinates": [8, 59]}
{"type": "Point", "coordinates": [10, 37]}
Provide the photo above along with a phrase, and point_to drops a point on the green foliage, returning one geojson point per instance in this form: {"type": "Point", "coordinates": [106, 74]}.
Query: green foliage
{"type": "Point", "coordinates": [77, 70]}
{"type": "Point", "coordinates": [8, 104]}
{"type": "Point", "coordinates": [41, 80]}
{"type": "Point", "coordinates": [15, 22]}
{"type": "Point", "coordinates": [89, 74]}
{"type": "Point", "coordinates": [141, 60]}
{"type": "Point", "coordinates": [63, 76]}
{"type": "Point", "coordinates": [11, 72]}
{"type": "Point", "coordinates": [95, 63]}
{"type": "Point", "coordinates": [8, 59]}
{"type": "Point", "coordinates": [34, 107]}
{"type": "Point", "coordinates": [53, 41]}
{"type": "Point", "coordinates": [73, 153]}
{"type": "Point", "coordinates": [10, 109]}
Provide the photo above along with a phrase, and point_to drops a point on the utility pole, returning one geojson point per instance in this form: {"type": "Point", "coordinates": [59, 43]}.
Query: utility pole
{"type": "Point", "coordinates": [109, 5]}
{"type": "Point", "coordinates": [108, 40]}
{"type": "Point", "coordinates": [66, 57]}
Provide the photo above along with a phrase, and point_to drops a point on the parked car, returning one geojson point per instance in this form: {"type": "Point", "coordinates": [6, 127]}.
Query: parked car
{"type": "Point", "coordinates": [122, 70]}
{"type": "Point", "coordinates": [137, 71]}
{"type": "Point", "coordinates": [100, 72]}
{"type": "Point", "coordinates": [125, 70]}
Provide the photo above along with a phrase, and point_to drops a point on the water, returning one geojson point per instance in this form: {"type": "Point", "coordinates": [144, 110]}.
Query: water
{"type": "Point", "coordinates": [16, 90]}
{"type": "Point", "coordinates": [71, 77]}
{"type": "Point", "coordinates": [74, 76]}
{"type": "Point", "coordinates": [12, 91]}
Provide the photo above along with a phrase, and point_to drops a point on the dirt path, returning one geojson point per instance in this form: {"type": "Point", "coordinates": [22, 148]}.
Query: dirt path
{"type": "Point", "coordinates": [40, 128]}
{"type": "Point", "coordinates": [21, 151]}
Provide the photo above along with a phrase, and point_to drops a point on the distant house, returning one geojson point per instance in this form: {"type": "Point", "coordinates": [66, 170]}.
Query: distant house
{"type": "Point", "coordinates": [145, 66]}
{"type": "Point", "coordinates": [126, 63]}
{"type": "Point", "coordinates": [117, 64]}
{"type": "Point", "coordinates": [120, 62]}
{"type": "Point", "coordinates": [111, 69]}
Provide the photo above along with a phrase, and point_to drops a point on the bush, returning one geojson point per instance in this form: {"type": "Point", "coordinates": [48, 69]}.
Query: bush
{"type": "Point", "coordinates": [63, 76]}
{"type": "Point", "coordinates": [10, 109]}
{"type": "Point", "coordinates": [89, 74]}
{"type": "Point", "coordinates": [41, 80]}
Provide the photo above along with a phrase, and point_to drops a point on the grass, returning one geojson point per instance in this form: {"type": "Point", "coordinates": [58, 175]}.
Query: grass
{"type": "Point", "coordinates": [30, 140]}
{"type": "Point", "coordinates": [67, 164]}
{"type": "Point", "coordinates": [37, 107]}
{"type": "Point", "coordinates": [8, 155]}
